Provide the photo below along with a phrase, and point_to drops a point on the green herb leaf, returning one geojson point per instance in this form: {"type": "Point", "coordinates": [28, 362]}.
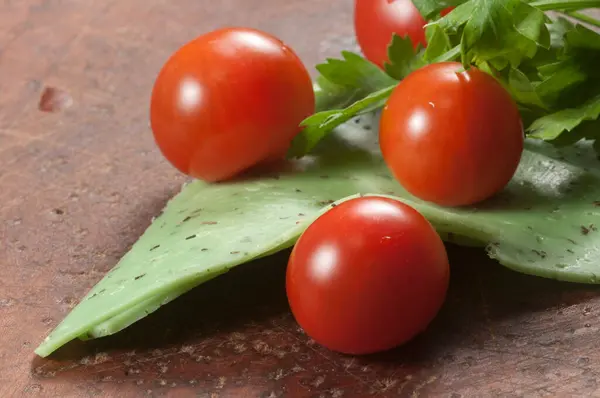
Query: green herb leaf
{"type": "Point", "coordinates": [551, 126]}
{"type": "Point", "coordinates": [431, 8]}
{"type": "Point", "coordinates": [354, 71]}
{"type": "Point", "coordinates": [438, 43]}
{"type": "Point", "coordinates": [402, 57]}
{"type": "Point", "coordinates": [317, 126]}
{"type": "Point", "coordinates": [523, 90]}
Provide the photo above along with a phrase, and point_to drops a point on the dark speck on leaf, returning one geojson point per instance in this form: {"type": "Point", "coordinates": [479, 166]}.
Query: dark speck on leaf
{"type": "Point", "coordinates": [540, 253]}
{"type": "Point", "coordinates": [333, 204]}
{"type": "Point", "coordinates": [283, 218]}
{"type": "Point", "coordinates": [326, 202]}
{"type": "Point", "coordinates": [139, 276]}
{"type": "Point", "coordinates": [584, 230]}
{"type": "Point", "coordinates": [182, 211]}
{"type": "Point", "coordinates": [357, 120]}
{"type": "Point", "coordinates": [570, 251]}
{"type": "Point", "coordinates": [572, 241]}
{"type": "Point", "coordinates": [188, 218]}
{"type": "Point", "coordinates": [154, 247]}
{"type": "Point", "coordinates": [101, 291]}
{"type": "Point", "coordinates": [593, 227]}
{"type": "Point", "coordinates": [301, 214]}
{"type": "Point", "coordinates": [297, 190]}
{"type": "Point", "coordinates": [93, 295]}
{"type": "Point", "coordinates": [209, 222]}
{"type": "Point", "coordinates": [234, 252]}
{"type": "Point", "coordinates": [204, 249]}
{"type": "Point", "coordinates": [190, 237]}
{"type": "Point", "coordinates": [367, 127]}
{"type": "Point", "coordinates": [196, 211]}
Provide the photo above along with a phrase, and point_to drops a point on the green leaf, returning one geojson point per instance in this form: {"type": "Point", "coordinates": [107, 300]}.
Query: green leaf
{"type": "Point", "coordinates": [317, 126]}
{"type": "Point", "coordinates": [438, 43]}
{"type": "Point", "coordinates": [503, 32]}
{"type": "Point", "coordinates": [523, 90]}
{"type": "Point", "coordinates": [558, 29]}
{"type": "Point", "coordinates": [403, 58]}
{"type": "Point", "coordinates": [557, 78]}
{"type": "Point", "coordinates": [431, 8]}
{"type": "Point", "coordinates": [453, 22]}
{"type": "Point", "coordinates": [549, 127]}
{"type": "Point", "coordinates": [544, 223]}
{"type": "Point", "coordinates": [354, 71]}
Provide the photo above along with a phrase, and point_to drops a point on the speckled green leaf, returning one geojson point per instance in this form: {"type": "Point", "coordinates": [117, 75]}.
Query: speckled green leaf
{"type": "Point", "coordinates": [543, 224]}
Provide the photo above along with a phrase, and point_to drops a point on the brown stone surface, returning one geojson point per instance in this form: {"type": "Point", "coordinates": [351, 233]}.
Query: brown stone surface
{"type": "Point", "coordinates": [80, 183]}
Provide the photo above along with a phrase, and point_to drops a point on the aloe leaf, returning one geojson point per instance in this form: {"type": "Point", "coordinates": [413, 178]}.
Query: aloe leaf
{"type": "Point", "coordinates": [544, 224]}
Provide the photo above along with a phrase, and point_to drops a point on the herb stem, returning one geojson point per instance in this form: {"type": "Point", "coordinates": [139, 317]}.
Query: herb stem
{"type": "Point", "coordinates": [581, 17]}
{"type": "Point", "coordinates": [565, 5]}
{"type": "Point", "coordinates": [449, 55]}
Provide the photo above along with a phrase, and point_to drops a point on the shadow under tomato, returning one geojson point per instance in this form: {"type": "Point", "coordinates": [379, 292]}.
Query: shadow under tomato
{"type": "Point", "coordinates": [242, 319]}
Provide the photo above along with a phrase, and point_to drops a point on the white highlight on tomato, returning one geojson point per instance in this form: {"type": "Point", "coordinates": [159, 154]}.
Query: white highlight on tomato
{"type": "Point", "coordinates": [190, 95]}
{"type": "Point", "coordinates": [418, 122]}
{"type": "Point", "coordinates": [325, 258]}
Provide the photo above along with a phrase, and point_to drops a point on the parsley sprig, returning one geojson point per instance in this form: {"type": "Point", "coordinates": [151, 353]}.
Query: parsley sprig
{"type": "Point", "coordinates": [549, 65]}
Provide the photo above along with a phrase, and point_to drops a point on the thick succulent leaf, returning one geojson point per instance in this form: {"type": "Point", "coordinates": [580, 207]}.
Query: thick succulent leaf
{"type": "Point", "coordinates": [543, 224]}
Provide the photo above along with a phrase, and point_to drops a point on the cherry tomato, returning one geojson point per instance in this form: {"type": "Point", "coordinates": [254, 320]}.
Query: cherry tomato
{"type": "Point", "coordinates": [367, 275]}
{"type": "Point", "coordinates": [446, 11]}
{"type": "Point", "coordinates": [375, 22]}
{"type": "Point", "coordinates": [229, 100]}
{"type": "Point", "coordinates": [450, 136]}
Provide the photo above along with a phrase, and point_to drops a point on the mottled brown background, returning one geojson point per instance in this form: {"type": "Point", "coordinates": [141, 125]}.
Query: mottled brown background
{"type": "Point", "coordinates": [80, 185]}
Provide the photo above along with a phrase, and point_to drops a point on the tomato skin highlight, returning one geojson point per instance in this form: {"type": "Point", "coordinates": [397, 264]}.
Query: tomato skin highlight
{"type": "Point", "coordinates": [449, 137]}
{"type": "Point", "coordinates": [227, 101]}
{"type": "Point", "coordinates": [375, 22]}
{"type": "Point", "coordinates": [367, 276]}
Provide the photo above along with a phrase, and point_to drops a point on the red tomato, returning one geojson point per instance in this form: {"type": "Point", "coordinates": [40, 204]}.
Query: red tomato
{"type": "Point", "coordinates": [229, 100]}
{"type": "Point", "coordinates": [366, 276]}
{"type": "Point", "coordinates": [446, 11]}
{"type": "Point", "coordinates": [450, 137]}
{"type": "Point", "coordinates": [375, 22]}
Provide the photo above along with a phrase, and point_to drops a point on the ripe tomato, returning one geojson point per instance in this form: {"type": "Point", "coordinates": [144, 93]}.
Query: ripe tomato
{"type": "Point", "coordinates": [446, 11]}
{"type": "Point", "coordinates": [228, 100]}
{"type": "Point", "coordinates": [367, 275]}
{"type": "Point", "coordinates": [375, 22]}
{"type": "Point", "coordinates": [450, 136]}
